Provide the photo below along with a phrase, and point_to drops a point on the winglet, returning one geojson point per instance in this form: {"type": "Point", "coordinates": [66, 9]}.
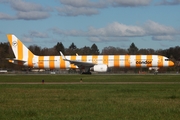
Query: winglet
{"type": "Point", "coordinates": [62, 55]}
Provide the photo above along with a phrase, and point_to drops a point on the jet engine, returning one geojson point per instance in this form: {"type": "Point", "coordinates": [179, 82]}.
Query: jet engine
{"type": "Point", "coordinates": [99, 68]}
{"type": "Point", "coordinates": [153, 68]}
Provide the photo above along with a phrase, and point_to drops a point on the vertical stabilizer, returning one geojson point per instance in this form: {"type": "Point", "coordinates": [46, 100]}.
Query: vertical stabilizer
{"type": "Point", "coordinates": [21, 52]}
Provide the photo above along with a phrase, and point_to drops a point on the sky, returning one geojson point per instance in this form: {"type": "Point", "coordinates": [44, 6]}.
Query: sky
{"type": "Point", "coordinates": [146, 23]}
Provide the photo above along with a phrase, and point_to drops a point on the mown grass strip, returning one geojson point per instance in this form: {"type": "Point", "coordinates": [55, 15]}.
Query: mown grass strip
{"type": "Point", "coordinates": [100, 102]}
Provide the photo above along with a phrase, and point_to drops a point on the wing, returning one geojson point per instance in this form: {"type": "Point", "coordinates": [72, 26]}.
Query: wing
{"type": "Point", "coordinates": [80, 64]}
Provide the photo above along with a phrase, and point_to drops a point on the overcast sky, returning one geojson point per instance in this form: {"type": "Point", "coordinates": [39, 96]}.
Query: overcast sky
{"type": "Point", "coordinates": [147, 23]}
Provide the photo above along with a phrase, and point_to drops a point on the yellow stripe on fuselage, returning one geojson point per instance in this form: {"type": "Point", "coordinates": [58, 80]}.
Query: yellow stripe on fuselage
{"type": "Point", "coordinates": [127, 61]}
{"type": "Point", "coordinates": [149, 58]}
{"type": "Point", "coordinates": [138, 58]}
{"type": "Point", "coordinates": [72, 65]}
{"type": "Point", "coordinates": [41, 62]}
{"type": "Point", "coordinates": [51, 62]}
{"type": "Point", "coordinates": [30, 59]}
{"type": "Point", "coordinates": [94, 59]}
{"type": "Point", "coordinates": [116, 61]}
{"type": "Point", "coordinates": [160, 61]}
{"type": "Point", "coordinates": [84, 58]}
{"type": "Point", "coordinates": [105, 59]}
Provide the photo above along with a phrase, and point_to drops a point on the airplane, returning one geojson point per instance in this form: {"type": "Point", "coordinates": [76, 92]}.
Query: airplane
{"type": "Point", "coordinates": [86, 63]}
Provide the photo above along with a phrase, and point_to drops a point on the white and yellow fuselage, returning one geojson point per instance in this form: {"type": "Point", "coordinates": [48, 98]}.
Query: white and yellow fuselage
{"type": "Point", "coordinates": [99, 63]}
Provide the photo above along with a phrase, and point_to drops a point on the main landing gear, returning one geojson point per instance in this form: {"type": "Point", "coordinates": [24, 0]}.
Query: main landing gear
{"type": "Point", "coordinates": [89, 73]}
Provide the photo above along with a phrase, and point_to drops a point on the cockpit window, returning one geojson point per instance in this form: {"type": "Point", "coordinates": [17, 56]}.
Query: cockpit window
{"type": "Point", "coordinates": [166, 59]}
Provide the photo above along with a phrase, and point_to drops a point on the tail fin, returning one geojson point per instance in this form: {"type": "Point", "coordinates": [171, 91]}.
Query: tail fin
{"type": "Point", "coordinates": [21, 52]}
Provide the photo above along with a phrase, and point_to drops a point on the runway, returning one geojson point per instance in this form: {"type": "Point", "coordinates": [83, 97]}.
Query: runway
{"type": "Point", "coordinates": [88, 83]}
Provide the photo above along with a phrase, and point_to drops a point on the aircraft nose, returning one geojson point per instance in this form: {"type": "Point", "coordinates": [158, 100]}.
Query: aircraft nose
{"type": "Point", "coordinates": [171, 63]}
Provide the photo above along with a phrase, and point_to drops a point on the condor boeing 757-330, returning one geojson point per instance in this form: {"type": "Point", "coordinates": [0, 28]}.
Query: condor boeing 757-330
{"type": "Point", "coordinates": [86, 63]}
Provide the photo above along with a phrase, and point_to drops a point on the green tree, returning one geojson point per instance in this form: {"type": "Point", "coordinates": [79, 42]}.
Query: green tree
{"type": "Point", "coordinates": [133, 49]}
{"type": "Point", "coordinates": [86, 50]}
{"type": "Point", "coordinates": [113, 51]}
{"type": "Point", "coordinates": [94, 49]}
{"type": "Point", "coordinates": [59, 47]}
{"type": "Point", "coordinates": [72, 46]}
{"type": "Point", "coordinates": [35, 49]}
{"type": "Point", "coordinates": [4, 51]}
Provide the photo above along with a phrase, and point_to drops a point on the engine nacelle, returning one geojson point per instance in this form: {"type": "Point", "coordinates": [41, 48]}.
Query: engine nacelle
{"type": "Point", "coordinates": [99, 68]}
{"type": "Point", "coordinates": [153, 68]}
{"type": "Point", "coordinates": [150, 68]}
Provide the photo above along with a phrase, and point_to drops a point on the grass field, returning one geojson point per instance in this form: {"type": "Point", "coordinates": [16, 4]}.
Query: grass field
{"type": "Point", "coordinates": [89, 101]}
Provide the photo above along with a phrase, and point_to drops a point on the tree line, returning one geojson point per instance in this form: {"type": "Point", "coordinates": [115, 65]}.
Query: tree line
{"type": "Point", "coordinates": [6, 52]}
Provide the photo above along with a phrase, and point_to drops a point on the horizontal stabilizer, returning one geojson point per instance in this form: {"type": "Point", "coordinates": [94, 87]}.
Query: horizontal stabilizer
{"type": "Point", "coordinates": [13, 60]}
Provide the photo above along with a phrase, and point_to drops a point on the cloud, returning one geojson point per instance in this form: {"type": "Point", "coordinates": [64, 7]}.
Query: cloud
{"type": "Point", "coordinates": [165, 37]}
{"type": "Point", "coordinates": [117, 31]}
{"type": "Point", "coordinates": [112, 30]}
{"type": "Point", "coordinates": [84, 3]}
{"type": "Point", "coordinates": [129, 3]}
{"type": "Point", "coordinates": [107, 39]}
{"type": "Point", "coordinates": [169, 2]}
{"type": "Point", "coordinates": [79, 7]}
{"type": "Point", "coordinates": [27, 39]}
{"type": "Point", "coordinates": [4, 16]}
{"type": "Point", "coordinates": [88, 7]}
{"type": "Point", "coordinates": [33, 35]}
{"type": "Point", "coordinates": [25, 10]}
{"type": "Point", "coordinates": [154, 28]}
{"type": "Point", "coordinates": [75, 11]}
{"type": "Point", "coordinates": [76, 33]}
{"type": "Point", "coordinates": [20, 5]}
{"type": "Point", "coordinates": [38, 34]}
{"type": "Point", "coordinates": [32, 15]}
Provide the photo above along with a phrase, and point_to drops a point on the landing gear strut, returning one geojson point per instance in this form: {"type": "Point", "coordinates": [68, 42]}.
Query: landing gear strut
{"type": "Point", "coordinates": [87, 71]}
